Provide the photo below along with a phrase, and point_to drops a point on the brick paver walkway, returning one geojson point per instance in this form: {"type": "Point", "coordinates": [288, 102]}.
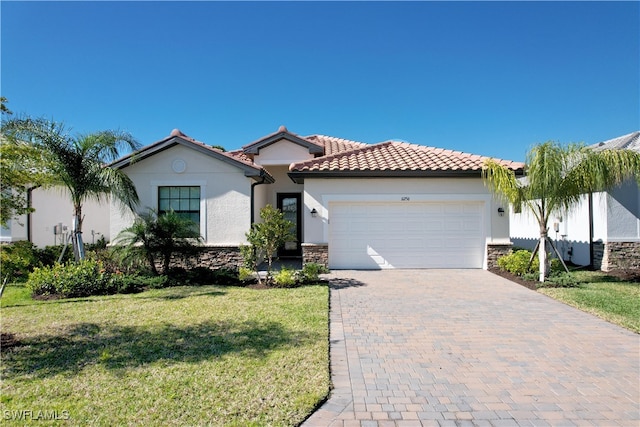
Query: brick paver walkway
{"type": "Point", "coordinates": [468, 348]}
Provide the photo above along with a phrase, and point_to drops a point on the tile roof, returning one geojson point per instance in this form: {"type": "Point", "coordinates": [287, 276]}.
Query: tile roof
{"type": "Point", "coordinates": [344, 157]}
{"type": "Point", "coordinates": [333, 145]}
{"type": "Point", "coordinates": [630, 141]}
{"type": "Point", "coordinates": [280, 134]}
{"type": "Point", "coordinates": [172, 139]}
{"type": "Point", "coordinates": [398, 156]}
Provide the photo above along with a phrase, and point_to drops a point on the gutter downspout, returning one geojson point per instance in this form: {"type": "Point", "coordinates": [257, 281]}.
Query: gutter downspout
{"type": "Point", "coordinates": [29, 203]}
{"type": "Point", "coordinates": [591, 249]}
{"type": "Point", "coordinates": [253, 186]}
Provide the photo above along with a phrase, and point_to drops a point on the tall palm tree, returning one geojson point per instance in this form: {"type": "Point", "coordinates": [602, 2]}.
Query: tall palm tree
{"type": "Point", "coordinates": [555, 179]}
{"type": "Point", "coordinates": [78, 164]}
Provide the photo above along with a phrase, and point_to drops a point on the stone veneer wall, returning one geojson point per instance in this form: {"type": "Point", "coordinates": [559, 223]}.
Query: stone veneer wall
{"type": "Point", "coordinates": [598, 255]}
{"type": "Point", "coordinates": [212, 257]}
{"type": "Point", "coordinates": [495, 251]}
{"type": "Point", "coordinates": [616, 256]}
{"type": "Point", "coordinates": [316, 253]}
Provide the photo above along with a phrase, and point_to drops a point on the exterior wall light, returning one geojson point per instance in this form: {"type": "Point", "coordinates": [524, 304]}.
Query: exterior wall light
{"type": "Point", "coordinates": [500, 211]}
{"type": "Point", "coordinates": [314, 213]}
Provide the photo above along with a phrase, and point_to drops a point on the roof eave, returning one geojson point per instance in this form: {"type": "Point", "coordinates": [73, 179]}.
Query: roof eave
{"type": "Point", "coordinates": [255, 147]}
{"type": "Point", "coordinates": [299, 176]}
{"type": "Point", "coordinates": [249, 170]}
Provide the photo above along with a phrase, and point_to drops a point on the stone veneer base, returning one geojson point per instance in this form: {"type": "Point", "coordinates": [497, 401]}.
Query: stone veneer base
{"type": "Point", "coordinates": [317, 253]}
{"type": "Point", "coordinates": [610, 256]}
{"type": "Point", "coordinates": [495, 251]}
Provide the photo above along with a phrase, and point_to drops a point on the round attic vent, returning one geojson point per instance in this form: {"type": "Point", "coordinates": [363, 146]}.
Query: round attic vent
{"type": "Point", "coordinates": [179, 165]}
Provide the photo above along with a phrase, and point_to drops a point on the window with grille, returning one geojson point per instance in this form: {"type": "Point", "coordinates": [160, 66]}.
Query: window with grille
{"type": "Point", "coordinates": [184, 201]}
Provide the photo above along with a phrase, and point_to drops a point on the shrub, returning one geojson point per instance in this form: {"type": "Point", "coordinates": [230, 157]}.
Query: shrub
{"type": "Point", "coordinates": [245, 274]}
{"type": "Point", "coordinates": [516, 262]}
{"type": "Point", "coordinates": [285, 278]}
{"type": "Point", "coordinates": [71, 280]}
{"type": "Point", "coordinates": [131, 284]}
{"type": "Point", "coordinates": [222, 276]}
{"type": "Point", "coordinates": [311, 272]}
{"type": "Point", "coordinates": [49, 254]}
{"type": "Point", "coordinates": [562, 280]}
{"type": "Point", "coordinates": [17, 260]}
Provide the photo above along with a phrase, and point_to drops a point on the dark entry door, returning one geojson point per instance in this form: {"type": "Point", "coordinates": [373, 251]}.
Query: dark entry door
{"type": "Point", "coordinates": [289, 205]}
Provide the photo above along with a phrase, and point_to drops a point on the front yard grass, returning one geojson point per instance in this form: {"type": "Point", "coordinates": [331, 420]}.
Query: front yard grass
{"type": "Point", "coordinates": [605, 296]}
{"type": "Point", "coordinates": [178, 356]}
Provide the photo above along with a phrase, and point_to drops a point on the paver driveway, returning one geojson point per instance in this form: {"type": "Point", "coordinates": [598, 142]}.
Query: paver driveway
{"type": "Point", "coordinates": [467, 347]}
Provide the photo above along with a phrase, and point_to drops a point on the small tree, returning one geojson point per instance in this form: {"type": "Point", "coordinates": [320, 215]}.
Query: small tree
{"type": "Point", "coordinates": [266, 237]}
{"type": "Point", "coordinates": [156, 237]}
{"type": "Point", "coordinates": [556, 178]}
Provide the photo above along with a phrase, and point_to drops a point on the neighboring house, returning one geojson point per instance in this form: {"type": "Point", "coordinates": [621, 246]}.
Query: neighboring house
{"type": "Point", "coordinates": [354, 205]}
{"type": "Point", "coordinates": [50, 223]}
{"type": "Point", "coordinates": [603, 230]}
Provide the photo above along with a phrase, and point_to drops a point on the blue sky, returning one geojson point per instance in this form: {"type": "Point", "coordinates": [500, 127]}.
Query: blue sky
{"type": "Point", "coordinates": [489, 78]}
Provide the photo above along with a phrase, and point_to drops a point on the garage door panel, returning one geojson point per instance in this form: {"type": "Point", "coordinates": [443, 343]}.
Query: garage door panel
{"type": "Point", "coordinates": [406, 235]}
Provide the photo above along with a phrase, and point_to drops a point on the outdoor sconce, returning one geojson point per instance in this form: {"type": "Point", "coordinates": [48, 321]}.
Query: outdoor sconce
{"type": "Point", "coordinates": [500, 211]}
{"type": "Point", "coordinates": [314, 213]}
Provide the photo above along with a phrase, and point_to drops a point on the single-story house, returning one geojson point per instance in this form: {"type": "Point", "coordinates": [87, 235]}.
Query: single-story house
{"type": "Point", "coordinates": [602, 231]}
{"type": "Point", "coordinates": [354, 205]}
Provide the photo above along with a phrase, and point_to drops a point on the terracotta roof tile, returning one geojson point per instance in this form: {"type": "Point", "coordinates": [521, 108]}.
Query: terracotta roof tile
{"type": "Point", "coordinates": [397, 156]}
{"type": "Point", "coordinates": [176, 133]}
{"type": "Point", "coordinates": [333, 145]}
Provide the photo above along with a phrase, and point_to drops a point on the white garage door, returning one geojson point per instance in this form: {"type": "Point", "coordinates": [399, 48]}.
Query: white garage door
{"type": "Point", "coordinates": [406, 235]}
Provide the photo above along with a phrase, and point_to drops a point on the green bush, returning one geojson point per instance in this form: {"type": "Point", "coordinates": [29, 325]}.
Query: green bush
{"type": "Point", "coordinates": [245, 274]}
{"type": "Point", "coordinates": [17, 260]}
{"type": "Point", "coordinates": [311, 272]}
{"type": "Point", "coordinates": [222, 276]}
{"type": "Point", "coordinates": [285, 278]}
{"type": "Point", "coordinates": [131, 283]}
{"type": "Point", "coordinates": [562, 280]}
{"type": "Point", "coordinates": [49, 254]}
{"type": "Point", "coordinates": [516, 262]}
{"type": "Point", "coordinates": [71, 280]}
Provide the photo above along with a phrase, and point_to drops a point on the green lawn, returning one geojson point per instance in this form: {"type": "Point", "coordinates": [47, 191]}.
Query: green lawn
{"type": "Point", "coordinates": [178, 356]}
{"type": "Point", "coordinates": [605, 296]}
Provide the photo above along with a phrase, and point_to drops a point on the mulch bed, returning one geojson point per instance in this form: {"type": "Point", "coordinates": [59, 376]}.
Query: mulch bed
{"type": "Point", "coordinates": [516, 279]}
{"type": "Point", "coordinates": [622, 275]}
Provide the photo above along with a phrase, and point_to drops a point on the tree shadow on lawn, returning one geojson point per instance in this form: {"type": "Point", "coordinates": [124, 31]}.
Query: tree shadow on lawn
{"type": "Point", "coordinates": [174, 293]}
{"type": "Point", "coordinates": [122, 347]}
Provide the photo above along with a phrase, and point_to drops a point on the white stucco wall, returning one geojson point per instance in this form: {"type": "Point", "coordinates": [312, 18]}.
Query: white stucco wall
{"type": "Point", "coordinates": [283, 184]}
{"type": "Point", "coordinates": [616, 217]}
{"type": "Point", "coordinates": [320, 192]}
{"type": "Point", "coordinates": [53, 206]}
{"type": "Point", "coordinates": [282, 152]}
{"type": "Point", "coordinates": [623, 220]}
{"type": "Point", "coordinates": [225, 192]}
{"type": "Point", "coordinates": [15, 230]}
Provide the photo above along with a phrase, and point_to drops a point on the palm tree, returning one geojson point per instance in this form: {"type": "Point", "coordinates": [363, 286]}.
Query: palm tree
{"type": "Point", "coordinates": [555, 179]}
{"type": "Point", "coordinates": [158, 236]}
{"type": "Point", "coordinates": [78, 164]}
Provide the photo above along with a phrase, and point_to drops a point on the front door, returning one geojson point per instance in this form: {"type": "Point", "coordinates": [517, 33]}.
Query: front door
{"type": "Point", "coordinates": [289, 205]}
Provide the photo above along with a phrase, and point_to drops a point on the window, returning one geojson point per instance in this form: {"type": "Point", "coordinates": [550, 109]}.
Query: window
{"type": "Point", "coordinates": [185, 201]}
